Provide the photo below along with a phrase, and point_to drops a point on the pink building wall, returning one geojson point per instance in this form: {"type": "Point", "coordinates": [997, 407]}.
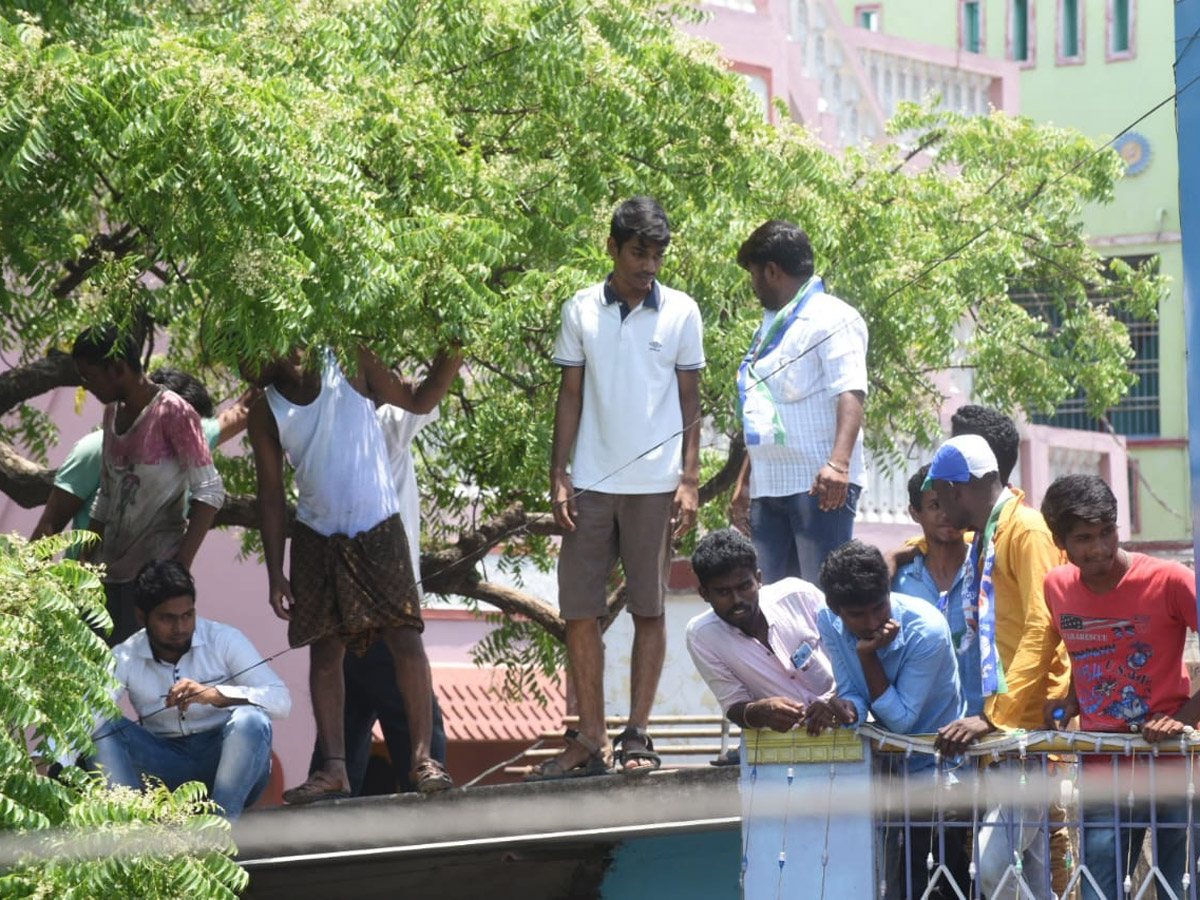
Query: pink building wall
{"type": "Point", "coordinates": [764, 41]}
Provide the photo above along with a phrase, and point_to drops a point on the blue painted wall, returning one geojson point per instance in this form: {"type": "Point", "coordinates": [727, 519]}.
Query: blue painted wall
{"type": "Point", "coordinates": [1187, 82]}
{"type": "Point", "coordinates": [698, 866]}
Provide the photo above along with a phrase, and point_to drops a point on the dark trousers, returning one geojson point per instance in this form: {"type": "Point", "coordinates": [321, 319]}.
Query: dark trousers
{"type": "Point", "coordinates": [906, 856]}
{"type": "Point", "coordinates": [371, 694]}
{"type": "Point", "coordinates": [122, 606]}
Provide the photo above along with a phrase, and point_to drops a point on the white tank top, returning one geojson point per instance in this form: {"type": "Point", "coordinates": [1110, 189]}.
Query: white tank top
{"type": "Point", "coordinates": [337, 448]}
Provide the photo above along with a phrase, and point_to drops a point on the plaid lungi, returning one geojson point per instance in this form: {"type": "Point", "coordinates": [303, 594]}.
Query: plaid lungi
{"type": "Point", "coordinates": [352, 586]}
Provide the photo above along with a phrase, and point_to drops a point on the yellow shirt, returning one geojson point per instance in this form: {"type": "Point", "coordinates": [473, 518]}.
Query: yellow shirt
{"type": "Point", "coordinates": [1036, 665]}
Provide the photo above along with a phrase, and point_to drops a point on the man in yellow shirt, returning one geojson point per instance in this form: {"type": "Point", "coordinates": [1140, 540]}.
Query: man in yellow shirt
{"type": "Point", "coordinates": [1023, 660]}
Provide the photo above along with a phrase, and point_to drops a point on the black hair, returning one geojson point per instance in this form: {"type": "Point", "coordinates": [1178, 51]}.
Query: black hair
{"type": "Point", "coordinates": [996, 428]}
{"type": "Point", "coordinates": [103, 345]}
{"type": "Point", "coordinates": [158, 581]}
{"type": "Point", "coordinates": [782, 243]}
{"type": "Point", "coordinates": [855, 575]}
{"type": "Point", "coordinates": [640, 217]}
{"type": "Point", "coordinates": [1073, 499]}
{"type": "Point", "coordinates": [720, 553]}
{"type": "Point", "coordinates": [916, 490]}
{"type": "Point", "coordinates": [189, 387]}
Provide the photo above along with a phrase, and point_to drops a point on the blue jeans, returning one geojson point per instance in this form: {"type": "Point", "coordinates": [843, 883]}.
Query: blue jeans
{"type": "Point", "coordinates": [793, 536]}
{"type": "Point", "coordinates": [233, 761]}
{"type": "Point", "coordinates": [1100, 852]}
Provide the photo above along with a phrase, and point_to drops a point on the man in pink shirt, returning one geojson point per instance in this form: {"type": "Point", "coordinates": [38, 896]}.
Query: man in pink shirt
{"type": "Point", "coordinates": [759, 651]}
{"type": "Point", "coordinates": [1124, 618]}
{"type": "Point", "coordinates": [159, 491]}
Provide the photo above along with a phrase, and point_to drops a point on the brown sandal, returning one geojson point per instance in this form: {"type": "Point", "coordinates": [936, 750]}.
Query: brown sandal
{"type": "Point", "coordinates": [320, 786]}
{"type": "Point", "coordinates": [430, 776]}
{"type": "Point", "coordinates": [598, 761]}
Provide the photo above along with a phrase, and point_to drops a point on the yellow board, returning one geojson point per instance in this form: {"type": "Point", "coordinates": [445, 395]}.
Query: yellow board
{"type": "Point", "coordinates": [765, 747]}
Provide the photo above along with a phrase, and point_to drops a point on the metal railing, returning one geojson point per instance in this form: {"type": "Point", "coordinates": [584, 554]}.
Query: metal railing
{"type": "Point", "coordinates": [1027, 815]}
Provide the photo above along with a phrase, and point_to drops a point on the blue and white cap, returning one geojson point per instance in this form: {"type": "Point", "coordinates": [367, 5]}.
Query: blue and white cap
{"type": "Point", "coordinates": [960, 459]}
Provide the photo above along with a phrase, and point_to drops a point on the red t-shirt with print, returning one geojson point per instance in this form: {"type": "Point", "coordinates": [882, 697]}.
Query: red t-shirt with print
{"type": "Point", "coordinates": [1126, 645]}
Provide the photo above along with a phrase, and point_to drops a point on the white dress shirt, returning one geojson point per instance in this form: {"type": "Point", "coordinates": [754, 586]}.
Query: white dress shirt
{"type": "Point", "coordinates": [220, 656]}
{"type": "Point", "coordinates": [739, 669]}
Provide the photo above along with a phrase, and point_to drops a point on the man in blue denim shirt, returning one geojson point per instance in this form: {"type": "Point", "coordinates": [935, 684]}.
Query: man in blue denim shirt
{"type": "Point", "coordinates": [936, 575]}
{"type": "Point", "coordinates": [892, 656]}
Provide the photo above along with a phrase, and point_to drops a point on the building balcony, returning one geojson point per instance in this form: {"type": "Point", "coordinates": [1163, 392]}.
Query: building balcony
{"type": "Point", "coordinates": [843, 82]}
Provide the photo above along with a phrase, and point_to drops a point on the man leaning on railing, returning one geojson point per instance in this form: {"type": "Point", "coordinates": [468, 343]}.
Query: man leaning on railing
{"type": "Point", "coordinates": [1021, 659]}
{"type": "Point", "coordinates": [758, 648]}
{"type": "Point", "coordinates": [892, 657]}
{"type": "Point", "coordinates": [1124, 618]}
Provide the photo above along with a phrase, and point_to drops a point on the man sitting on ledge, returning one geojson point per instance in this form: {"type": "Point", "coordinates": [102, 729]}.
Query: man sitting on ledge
{"type": "Point", "coordinates": [203, 696]}
{"type": "Point", "coordinates": [760, 652]}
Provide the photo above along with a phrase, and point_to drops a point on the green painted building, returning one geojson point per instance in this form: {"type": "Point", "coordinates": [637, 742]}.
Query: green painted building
{"type": "Point", "coordinates": [1097, 65]}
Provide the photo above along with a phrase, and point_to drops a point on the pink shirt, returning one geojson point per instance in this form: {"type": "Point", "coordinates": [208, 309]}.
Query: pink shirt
{"type": "Point", "coordinates": [738, 669]}
{"type": "Point", "coordinates": [1126, 646]}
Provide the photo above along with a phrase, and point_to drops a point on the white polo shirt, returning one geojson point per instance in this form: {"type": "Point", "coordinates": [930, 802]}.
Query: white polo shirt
{"type": "Point", "coordinates": [630, 428]}
{"type": "Point", "coordinates": [739, 669]}
{"type": "Point", "coordinates": [821, 355]}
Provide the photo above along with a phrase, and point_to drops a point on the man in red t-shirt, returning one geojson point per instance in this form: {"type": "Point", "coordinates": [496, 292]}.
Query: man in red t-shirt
{"type": "Point", "coordinates": [1124, 619]}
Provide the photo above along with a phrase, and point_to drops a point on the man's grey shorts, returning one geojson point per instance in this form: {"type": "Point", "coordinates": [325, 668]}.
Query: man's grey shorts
{"type": "Point", "coordinates": [635, 528]}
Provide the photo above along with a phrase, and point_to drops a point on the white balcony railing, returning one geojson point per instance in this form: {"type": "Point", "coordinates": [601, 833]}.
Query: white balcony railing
{"type": "Point", "coordinates": [829, 815]}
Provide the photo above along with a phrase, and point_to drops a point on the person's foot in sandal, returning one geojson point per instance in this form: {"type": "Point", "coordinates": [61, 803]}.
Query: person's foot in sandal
{"type": "Point", "coordinates": [635, 754]}
{"type": "Point", "coordinates": [430, 776]}
{"type": "Point", "coordinates": [321, 785]}
{"type": "Point", "coordinates": [583, 758]}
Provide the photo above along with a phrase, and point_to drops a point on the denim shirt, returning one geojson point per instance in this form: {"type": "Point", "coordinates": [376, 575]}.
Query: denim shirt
{"type": "Point", "coordinates": [923, 692]}
{"type": "Point", "coordinates": [915, 581]}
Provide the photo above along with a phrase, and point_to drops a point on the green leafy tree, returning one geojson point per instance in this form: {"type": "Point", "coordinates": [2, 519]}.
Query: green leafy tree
{"type": "Point", "coordinates": [247, 176]}
{"type": "Point", "coordinates": [71, 836]}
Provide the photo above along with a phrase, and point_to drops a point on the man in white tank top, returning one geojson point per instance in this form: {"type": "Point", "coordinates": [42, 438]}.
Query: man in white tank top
{"type": "Point", "coordinates": [352, 578]}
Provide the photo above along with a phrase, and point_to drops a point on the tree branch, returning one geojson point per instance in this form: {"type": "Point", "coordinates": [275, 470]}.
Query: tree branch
{"type": "Point", "coordinates": [24, 481]}
{"type": "Point", "coordinates": [56, 369]}
{"type": "Point", "coordinates": [729, 472]}
{"type": "Point", "coordinates": [119, 243]}
{"type": "Point", "coordinates": [509, 601]}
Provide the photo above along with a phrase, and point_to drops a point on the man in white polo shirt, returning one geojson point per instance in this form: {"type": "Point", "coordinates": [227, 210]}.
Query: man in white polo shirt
{"type": "Point", "coordinates": [801, 387]}
{"type": "Point", "coordinates": [628, 417]}
{"type": "Point", "coordinates": [760, 651]}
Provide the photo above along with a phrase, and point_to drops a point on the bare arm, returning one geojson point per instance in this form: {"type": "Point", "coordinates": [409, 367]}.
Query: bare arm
{"type": "Point", "coordinates": [199, 522]}
{"type": "Point", "coordinates": [268, 463]}
{"type": "Point", "coordinates": [833, 479]}
{"type": "Point", "coordinates": [385, 386]}
{"type": "Point", "coordinates": [776, 713]}
{"type": "Point", "coordinates": [232, 421]}
{"type": "Point", "coordinates": [567, 410]}
{"type": "Point", "coordinates": [687, 496]}
{"type": "Point", "coordinates": [58, 512]}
